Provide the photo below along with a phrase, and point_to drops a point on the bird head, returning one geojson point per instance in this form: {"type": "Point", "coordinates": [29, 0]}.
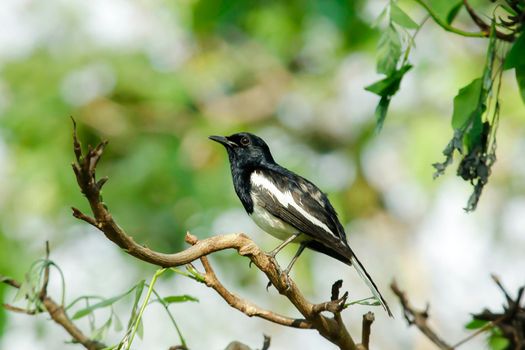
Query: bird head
{"type": "Point", "coordinates": [245, 149]}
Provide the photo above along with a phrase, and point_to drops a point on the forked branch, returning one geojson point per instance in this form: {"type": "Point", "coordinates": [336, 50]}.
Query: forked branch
{"type": "Point", "coordinates": [332, 328]}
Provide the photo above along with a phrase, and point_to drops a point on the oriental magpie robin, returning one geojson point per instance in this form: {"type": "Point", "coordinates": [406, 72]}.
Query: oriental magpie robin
{"type": "Point", "coordinates": [288, 206]}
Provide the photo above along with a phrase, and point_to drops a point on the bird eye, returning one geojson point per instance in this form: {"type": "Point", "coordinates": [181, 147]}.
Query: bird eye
{"type": "Point", "coordinates": [245, 141]}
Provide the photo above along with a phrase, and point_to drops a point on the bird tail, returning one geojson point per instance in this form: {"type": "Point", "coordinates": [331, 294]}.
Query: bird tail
{"type": "Point", "coordinates": [369, 282]}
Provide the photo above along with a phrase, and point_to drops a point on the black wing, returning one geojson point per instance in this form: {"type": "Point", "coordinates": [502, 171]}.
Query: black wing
{"type": "Point", "coordinates": [301, 204]}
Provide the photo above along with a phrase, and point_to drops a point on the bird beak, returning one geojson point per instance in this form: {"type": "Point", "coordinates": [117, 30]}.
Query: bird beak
{"type": "Point", "coordinates": [223, 140]}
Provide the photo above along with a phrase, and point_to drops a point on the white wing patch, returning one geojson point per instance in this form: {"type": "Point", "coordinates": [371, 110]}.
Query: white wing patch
{"type": "Point", "coordinates": [286, 199]}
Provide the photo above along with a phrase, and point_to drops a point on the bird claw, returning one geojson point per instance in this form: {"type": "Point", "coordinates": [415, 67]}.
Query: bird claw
{"type": "Point", "coordinates": [271, 255]}
{"type": "Point", "coordinates": [268, 285]}
{"type": "Point", "coordinates": [287, 281]}
{"type": "Point", "coordinates": [288, 284]}
{"type": "Point", "coordinates": [285, 272]}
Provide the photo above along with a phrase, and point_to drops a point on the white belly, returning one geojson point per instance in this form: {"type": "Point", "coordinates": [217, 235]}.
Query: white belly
{"type": "Point", "coordinates": [272, 225]}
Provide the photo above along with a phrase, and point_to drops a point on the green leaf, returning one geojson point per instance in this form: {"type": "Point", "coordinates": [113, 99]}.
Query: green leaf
{"type": "Point", "coordinates": [445, 9]}
{"type": "Point", "coordinates": [195, 274]}
{"type": "Point", "coordinates": [140, 329]}
{"type": "Point", "coordinates": [454, 12]}
{"type": "Point", "coordinates": [380, 112]}
{"type": "Point", "coordinates": [498, 342]}
{"type": "Point", "coordinates": [117, 325]}
{"type": "Point", "coordinates": [520, 78]}
{"type": "Point", "coordinates": [509, 9]}
{"type": "Point", "coordinates": [473, 133]}
{"type": "Point", "coordinates": [389, 85]}
{"type": "Point", "coordinates": [476, 324]}
{"type": "Point", "coordinates": [23, 291]}
{"type": "Point", "coordinates": [489, 64]}
{"type": "Point", "coordinates": [379, 18]}
{"type": "Point", "coordinates": [101, 333]}
{"type": "Point", "coordinates": [386, 88]}
{"type": "Point", "coordinates": [179, 299]}
{"type": "Point", "coordinates": [138, 293]}
{"type": "Point", "coordinates": [401, 18]}
{"type": "Point", "coordinates": [516, 55]}
{"type": "Point", "coordinates": [465, 103]}
{"type": "Point", "coordinates": [389, 51]}
{"type": "Point", "coordinates": [104, 303]}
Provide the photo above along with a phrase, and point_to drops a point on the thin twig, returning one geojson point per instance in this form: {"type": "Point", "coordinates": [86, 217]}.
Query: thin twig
{"type": "Point", "coordinates": [477, 332]}
{"type": "Point", "coordinates": [43, 290]}
{"type": "Point", "coordinates": [503, 290]}
{"type": "Point", "coordinates": [368, 319]}
{"type": "Point", "coordinates": [418, 318]}
{"type": "Point", "coordinates": [485, 28]}
{"type": "Point", "coordinates": [447, 26]}
{"type": "Point", "coordinates": [19, 310]}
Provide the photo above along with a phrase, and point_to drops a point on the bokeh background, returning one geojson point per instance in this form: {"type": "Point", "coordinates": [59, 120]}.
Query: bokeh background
{"type": "Point", "coordinates": [157, 77]}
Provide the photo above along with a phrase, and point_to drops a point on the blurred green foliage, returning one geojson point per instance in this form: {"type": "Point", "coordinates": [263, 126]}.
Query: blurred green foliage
{"type": "Point", "coordinates": [162, 169]}
{"type": "Point", "coordinates": [165, 177]}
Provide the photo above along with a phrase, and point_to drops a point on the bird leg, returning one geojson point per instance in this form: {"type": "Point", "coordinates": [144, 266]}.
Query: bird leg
{"type": "Point", "coordinates": [274, 252]}
{"type": "Point", "coordinates": [286, 272]}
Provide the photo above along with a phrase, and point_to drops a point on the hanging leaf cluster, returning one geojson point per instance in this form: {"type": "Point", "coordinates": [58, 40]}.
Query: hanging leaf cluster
{"type": "Point", "coordinates": [477, 105]}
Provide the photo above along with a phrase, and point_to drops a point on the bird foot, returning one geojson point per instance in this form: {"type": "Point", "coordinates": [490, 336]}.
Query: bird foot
{"type": "Point", "coordinates": [271, 257]}
{"type": "Point", "coordinates": [271, 254]}
{"type": "Point", "coordinates": [287, 280]}
{"type": "Point", "coordinates": [268, 285]}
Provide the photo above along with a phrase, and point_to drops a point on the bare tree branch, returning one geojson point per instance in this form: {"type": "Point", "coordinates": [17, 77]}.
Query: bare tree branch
{"type": "Point", "coordinates": [418, 318]}
{"type": "Point", "coordinates": [58, 315]}
{"type": "Point", "coordinates": [240, 304]}
{"type": "Point", "coordinates": [333, 329]}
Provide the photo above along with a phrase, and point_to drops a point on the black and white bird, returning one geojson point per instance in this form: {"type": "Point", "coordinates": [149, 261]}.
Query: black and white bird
{"type": "Point", "coordinates": [288, 206]}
